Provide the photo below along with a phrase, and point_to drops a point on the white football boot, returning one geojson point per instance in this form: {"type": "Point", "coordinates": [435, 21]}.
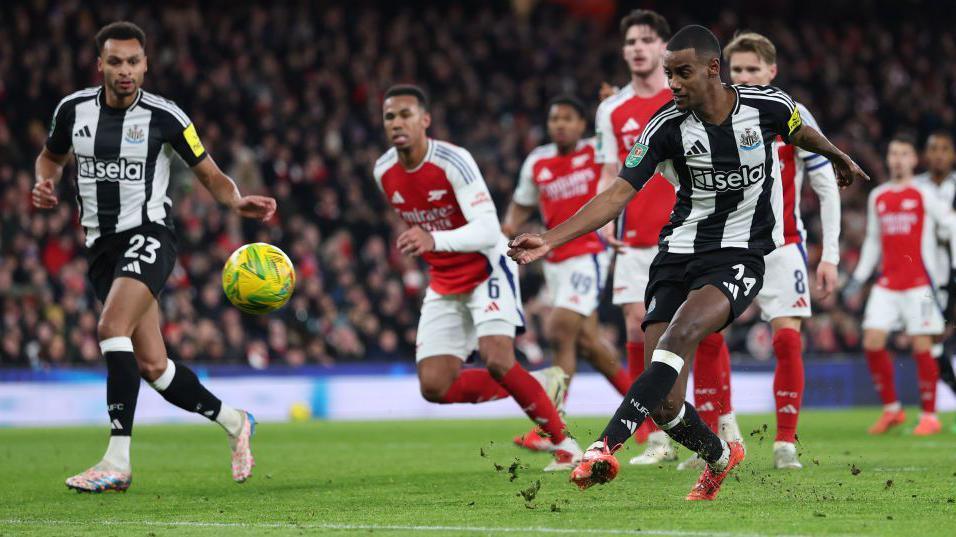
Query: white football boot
{"type": "Point", "coordinates": [659, 449]}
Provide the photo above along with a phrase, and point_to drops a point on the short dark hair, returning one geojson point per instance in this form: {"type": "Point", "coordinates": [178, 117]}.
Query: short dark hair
{"type": "Point", "coordinates": [569, 100]}
{"type": "Point", "coordinates": [904, 137]}
{"type": "Point", "coordinates": [408, 89]}
{"type": "Point", "coordinates": [646, 17]}
{"type": "Point", "coordinates": [119, 30]}
{"type": "Point", "coordinates": [943, 133]}
{"type": "Point", "coordinates": [694, 36]}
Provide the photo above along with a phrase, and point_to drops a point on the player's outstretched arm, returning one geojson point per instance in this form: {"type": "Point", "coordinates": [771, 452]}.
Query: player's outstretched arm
{"type": "Point", "coordinates": [49, 170]}
{"type": "Point", "coordinates": [602, 208]}
{"type": "Point", "coordinates": [847, 171]}
{"type": "Point", "coordinates": [224, 189]}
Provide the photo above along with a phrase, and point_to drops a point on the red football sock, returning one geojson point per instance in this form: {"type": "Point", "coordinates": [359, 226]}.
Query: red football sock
{"type": "Point", "coordinates": [707, 380]}
{"type": "Point", "coordinates": [621, 381]}
{"type": "Point", "coordinates": [881, 369]}
{"type": "Point", "coordinates": [635, 358]}
{"type": "Point", "coordinates": [927, 374]}
{"type": "Point", "coordinates": [788, 382]}
{"type": "Point", "coordinates": [534, 401]}
{"type": "Point", "coordinates": [474, 386]}
{"type": "Point", "coordinates": [724, 406]}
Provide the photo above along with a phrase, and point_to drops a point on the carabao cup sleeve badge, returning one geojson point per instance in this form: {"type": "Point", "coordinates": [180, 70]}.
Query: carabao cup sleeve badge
{"type": "Point", "coordinates": [636, 155]}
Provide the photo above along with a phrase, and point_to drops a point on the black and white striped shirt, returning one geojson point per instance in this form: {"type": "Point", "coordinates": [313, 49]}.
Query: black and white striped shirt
{"type": "Point", "coordinates": [727, 176]}
{"type": "Point", "coordinates": [122, 157]}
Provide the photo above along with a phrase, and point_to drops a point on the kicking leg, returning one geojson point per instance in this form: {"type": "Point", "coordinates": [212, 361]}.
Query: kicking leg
{"type": "Point", "coordinates": [180, 386]}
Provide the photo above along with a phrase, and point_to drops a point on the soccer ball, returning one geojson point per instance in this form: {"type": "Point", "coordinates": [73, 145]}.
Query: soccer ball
{"type": "Point", "coordinates": [258, 278]}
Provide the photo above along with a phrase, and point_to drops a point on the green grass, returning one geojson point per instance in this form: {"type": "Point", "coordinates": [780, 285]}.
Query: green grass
{"type": "Point", "coordinates": [394, 478]}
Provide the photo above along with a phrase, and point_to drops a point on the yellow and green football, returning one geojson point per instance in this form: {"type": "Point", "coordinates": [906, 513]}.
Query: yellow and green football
{"type": "Point", "coordinates": [258, 278]}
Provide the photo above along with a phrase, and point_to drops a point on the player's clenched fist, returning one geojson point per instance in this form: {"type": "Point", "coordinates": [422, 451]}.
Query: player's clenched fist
{"type": "Point", "coordinates": [528, 247]}
{"type": "Point", "coordinates": [44, 196]}
{"type": "Point", "coordinates": [415, 241]}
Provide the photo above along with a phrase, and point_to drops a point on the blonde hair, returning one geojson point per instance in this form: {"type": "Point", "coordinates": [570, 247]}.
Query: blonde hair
{"type": "Point", "coordinates": [752, 42]}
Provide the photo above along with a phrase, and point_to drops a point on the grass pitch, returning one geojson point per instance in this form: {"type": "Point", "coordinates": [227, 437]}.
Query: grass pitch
{"type": "Point", "coordinates": [452, 478]}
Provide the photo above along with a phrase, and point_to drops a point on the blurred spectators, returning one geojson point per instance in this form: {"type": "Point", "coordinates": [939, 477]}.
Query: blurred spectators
{"type": "Point", "coordinates": [287, 99]}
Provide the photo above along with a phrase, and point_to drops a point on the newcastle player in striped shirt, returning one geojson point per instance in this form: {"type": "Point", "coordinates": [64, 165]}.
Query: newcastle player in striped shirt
{"type": "Point", "coordinates": [715, 143]}
{"type": "Point", "coordinates": [123, 139]}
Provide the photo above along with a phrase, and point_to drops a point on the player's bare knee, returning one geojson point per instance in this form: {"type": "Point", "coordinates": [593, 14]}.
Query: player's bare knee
{"type": "Point", "coordinates": [683, 333]}
{"type": "Point", "coordinates": [874, 340]}
{"type": "Point", "coordinates": [108, 327]}
{"type": "Point", "coordinates": [433, 392]}
{"type": "Point", "coordinates": [151, 369]}
{"type": "Point", "coordinates": [433, 386]}
{"type": "Point", "coordinates": [497, 353]}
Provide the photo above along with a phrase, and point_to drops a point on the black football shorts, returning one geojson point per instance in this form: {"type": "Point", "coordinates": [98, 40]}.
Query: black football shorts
{"type": "Point", "coordinates": [737, 272]}
{"type": "Point", "coordinates": [146, 253]}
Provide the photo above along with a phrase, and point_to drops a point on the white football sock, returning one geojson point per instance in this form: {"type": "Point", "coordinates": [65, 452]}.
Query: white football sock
{"type": "Point", "coordinates": [720, 464]}
{"type": "Point", "coordinates": [117, 453]}
{"type": "Point", "coordinates": [163, 381]}
{"type": "Point", "coordinates": [893, 407]}
{"type": "Point", "coordinates": [230, 419]}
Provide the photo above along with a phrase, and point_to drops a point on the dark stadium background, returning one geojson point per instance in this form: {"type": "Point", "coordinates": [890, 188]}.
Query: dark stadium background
{"type": "Point", "coordinates": [286, 98]}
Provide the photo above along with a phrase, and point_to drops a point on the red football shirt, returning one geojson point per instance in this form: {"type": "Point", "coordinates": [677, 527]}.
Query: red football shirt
{"type": "Point", "coordinates": [620, 120]}
{"type": "Point", "coordinates": [444, 192]}
{"type": "Point", "coordinates": [560, 185]}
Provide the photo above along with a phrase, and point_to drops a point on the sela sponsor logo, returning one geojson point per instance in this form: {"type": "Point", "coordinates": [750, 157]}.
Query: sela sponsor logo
{"type": "Point", "coordinates": [721, 181]}
{"type": "Point", "coordinates": [750, 139]}
{"type": "Point", "coordinates": [134, 135]}
{"type": "Point", "coordinates": [435, 195]}
{"type": "Point", "coordinates": [434, 219]}
{"type": "Point", "coordinates": [110, 170]}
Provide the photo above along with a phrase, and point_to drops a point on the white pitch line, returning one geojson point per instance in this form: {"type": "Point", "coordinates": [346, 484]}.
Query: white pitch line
{"type": "Point", "coordinates": [390, 527]}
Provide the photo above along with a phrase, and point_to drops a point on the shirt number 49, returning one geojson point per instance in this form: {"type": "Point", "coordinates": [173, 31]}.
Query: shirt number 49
{"type": "Point", "coordinates": [747, 281]}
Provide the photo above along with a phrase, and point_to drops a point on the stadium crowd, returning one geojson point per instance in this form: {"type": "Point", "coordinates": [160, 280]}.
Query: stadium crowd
{"type": "Point", "coordinates": [287, 100]}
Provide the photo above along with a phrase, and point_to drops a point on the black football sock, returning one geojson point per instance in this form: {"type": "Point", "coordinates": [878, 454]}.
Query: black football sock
{"type": "Point", "coordinates": [688, 430]}
{"type": "Point", "coordinates": [181, 387]}
{"type": "Point", "coordinates": [645, 394]}
{"type": "Point", "coordinates": [122, 384]}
